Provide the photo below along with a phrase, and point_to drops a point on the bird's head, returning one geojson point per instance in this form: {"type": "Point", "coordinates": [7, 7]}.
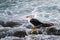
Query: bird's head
{"type": "Point", "coordinates": [28, 17]}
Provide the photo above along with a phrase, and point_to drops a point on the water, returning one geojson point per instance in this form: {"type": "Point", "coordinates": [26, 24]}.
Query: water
{"type": "Point", "coordinates": [43, 10]}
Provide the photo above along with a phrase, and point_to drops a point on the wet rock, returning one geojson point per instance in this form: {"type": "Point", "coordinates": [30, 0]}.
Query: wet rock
{"type": "Point", "coordinates": [3, 33]}
{"type": "Point", "coordinates": [20, 34]}
{"type": "Point", "coordinates": [58, 32]}
{"type": "Point", "coordinates": [11, 24]}
{"type": "Point", "coordinates": [39, 32]}
{"type": "Point", "coordinates": [2, 23]}
{"type": "Point", "coordinates": [53, 31]}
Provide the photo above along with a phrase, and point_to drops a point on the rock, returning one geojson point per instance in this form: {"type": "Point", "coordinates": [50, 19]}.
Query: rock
{"type": "Point", "coordinates": [2, 23]}
{"type": "Point", "coordinates": [29, 26]}
{"type": "Point", "coordinates": [39, 32]}
{"type": "Point", "coordinates": [11, 24]}
{"type": "Point", "coordinates": [20, 34]}
{"type": "Point", "coordinates": [53, 31]}
{"type": "Point", "coordinates": [58, 32]}
{"type": "Point", "coordinates": [3, 33]}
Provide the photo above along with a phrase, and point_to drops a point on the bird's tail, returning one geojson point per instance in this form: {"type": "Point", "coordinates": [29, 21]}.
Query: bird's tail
{"type": "Point", "coordinates": [47, 25]}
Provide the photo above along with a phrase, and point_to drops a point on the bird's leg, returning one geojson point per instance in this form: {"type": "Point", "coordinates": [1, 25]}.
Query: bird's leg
{"type": "Point", "coordinates": [34, 30]}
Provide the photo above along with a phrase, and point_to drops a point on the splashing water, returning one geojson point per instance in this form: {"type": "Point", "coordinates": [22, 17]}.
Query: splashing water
{"type": "Point", "coordinates": [43, 10]}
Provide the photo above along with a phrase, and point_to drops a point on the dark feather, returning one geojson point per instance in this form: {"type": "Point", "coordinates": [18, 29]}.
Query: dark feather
{"type": "Point", "coordinates": [39, 24]}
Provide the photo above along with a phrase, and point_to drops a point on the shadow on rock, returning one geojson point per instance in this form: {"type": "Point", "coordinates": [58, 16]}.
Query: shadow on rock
{"type": "Point", "coordinates": [53, 31]}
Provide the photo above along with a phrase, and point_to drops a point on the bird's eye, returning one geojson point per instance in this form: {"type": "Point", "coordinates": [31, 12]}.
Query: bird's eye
{"type": "Point", "coordinates": [27, 16]}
